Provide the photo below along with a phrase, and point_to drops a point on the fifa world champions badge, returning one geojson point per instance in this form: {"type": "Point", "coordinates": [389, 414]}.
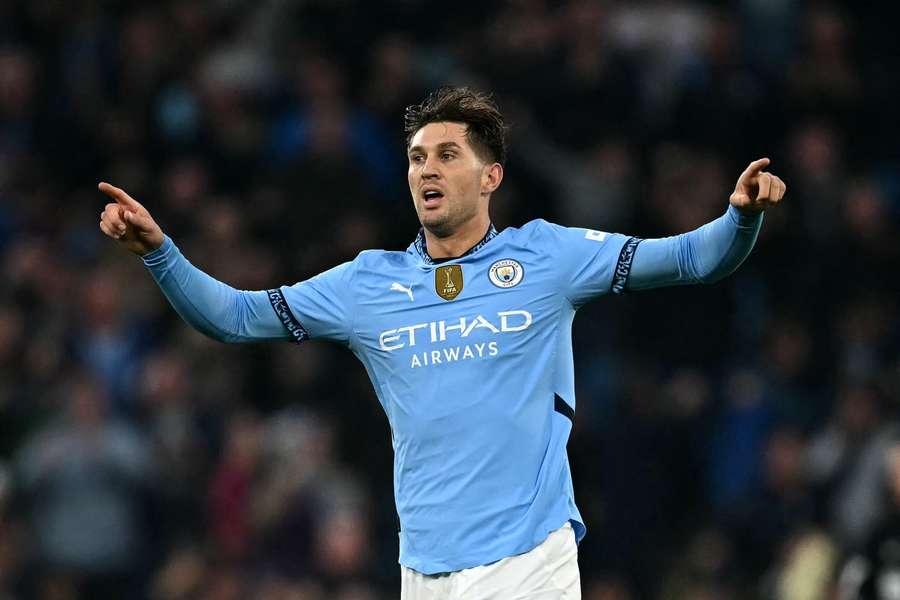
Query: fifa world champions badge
{"type": "Point", "coordinates": [448, 281]}
{"type": "Point", "coordinates": [506, 273]}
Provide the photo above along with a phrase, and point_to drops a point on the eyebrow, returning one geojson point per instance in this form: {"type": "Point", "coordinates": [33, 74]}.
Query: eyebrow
{"type": "Point", "coordinates": [441, 146]}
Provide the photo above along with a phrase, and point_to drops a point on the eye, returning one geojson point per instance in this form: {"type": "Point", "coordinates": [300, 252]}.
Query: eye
{"type": "Point", "coordinates": [446, 156]}
{"type": "Point", "coordinates": [416, 158]}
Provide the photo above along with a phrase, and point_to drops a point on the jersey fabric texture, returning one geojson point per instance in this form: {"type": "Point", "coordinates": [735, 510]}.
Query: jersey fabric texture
{"type": "Point", "coordinates": [479, 390]}
{"type": "Point", "coordinates": [471, 359]}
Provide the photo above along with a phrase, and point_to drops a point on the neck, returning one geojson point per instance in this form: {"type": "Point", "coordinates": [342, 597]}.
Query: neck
{"type": "Point", "coordinates": [458, 242]}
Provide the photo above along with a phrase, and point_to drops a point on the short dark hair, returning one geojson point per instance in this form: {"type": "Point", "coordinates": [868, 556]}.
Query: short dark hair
{"type": "Point", "coordinates": [485, 130]}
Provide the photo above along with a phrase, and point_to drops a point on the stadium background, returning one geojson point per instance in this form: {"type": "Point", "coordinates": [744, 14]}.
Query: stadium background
{"type": "Point", "coordinates": [732, 441]}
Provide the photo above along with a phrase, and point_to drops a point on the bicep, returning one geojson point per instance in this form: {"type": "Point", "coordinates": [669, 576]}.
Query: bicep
{"type": "Point", "coordinates": [321, 307]}
{"type": "Point", "coordinates": [589, 263]}
{"type": "Point", "coordinates": [655, 264]}
{"type": "Point", "coordinates": [256, 317]}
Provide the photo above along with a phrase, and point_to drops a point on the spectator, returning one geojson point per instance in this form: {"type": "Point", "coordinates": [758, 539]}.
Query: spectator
{"type": "Point", "coordinates": [85, 478]}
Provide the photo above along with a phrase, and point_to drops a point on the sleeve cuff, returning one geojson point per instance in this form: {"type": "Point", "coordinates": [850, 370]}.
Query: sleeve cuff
{"type": "Point", "coordinates": [742, 220]}
{"type": "Point", "coordinates": [157, 256]}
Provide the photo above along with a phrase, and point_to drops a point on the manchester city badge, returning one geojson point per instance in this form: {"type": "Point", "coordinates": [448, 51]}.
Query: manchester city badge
{"type": "Point", "coordinates": [506, 273]}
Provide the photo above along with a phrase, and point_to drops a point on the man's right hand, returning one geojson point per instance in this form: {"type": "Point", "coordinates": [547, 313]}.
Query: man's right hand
{"type": "Point", "coordinates": [127, 221]}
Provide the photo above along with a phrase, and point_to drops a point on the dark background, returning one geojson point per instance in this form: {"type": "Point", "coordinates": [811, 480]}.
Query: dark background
{"type": "Point", "coordinates": [731, 441]}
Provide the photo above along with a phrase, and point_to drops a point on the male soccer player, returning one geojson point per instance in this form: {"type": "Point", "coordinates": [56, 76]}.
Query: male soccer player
{"type": "Point", "coordinates": [466, 337]}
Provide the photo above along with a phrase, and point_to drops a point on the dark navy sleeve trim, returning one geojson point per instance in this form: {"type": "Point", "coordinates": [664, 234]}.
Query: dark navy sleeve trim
{"type": "Point", "coordinates": [563, 408]}
{"type": "Point", "coordinates": [287, 318]}
{"type": "Point", "coordinates": [623, 266]}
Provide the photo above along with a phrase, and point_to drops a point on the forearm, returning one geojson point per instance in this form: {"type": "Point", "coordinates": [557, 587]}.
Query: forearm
{"type": "Point", "coordinates": [210, 306]}
{"type": "Point", "coordinates": [704, 255]}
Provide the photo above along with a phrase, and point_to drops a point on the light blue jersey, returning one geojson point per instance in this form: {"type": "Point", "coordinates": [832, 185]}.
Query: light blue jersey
{"type": "Point", "coordinates": [471, 359]}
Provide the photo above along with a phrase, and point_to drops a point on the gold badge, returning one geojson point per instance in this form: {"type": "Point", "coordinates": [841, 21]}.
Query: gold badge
{"type": "Point", "coordinates": [448, 281]}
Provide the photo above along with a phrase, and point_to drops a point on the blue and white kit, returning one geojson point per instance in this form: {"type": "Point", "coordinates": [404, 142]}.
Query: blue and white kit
{"type": "Point", "coordinates": [471, 359]}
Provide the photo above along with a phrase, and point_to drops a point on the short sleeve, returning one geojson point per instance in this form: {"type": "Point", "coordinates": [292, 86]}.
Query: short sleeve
{"type": "Point", "coordinates": [318, 308]}
{"type": "Point", "coordinates": [591, 263]}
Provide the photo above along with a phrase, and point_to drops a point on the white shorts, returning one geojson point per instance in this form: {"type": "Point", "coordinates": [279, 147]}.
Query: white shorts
{"type": "Point", "coordinates": [547, 572]}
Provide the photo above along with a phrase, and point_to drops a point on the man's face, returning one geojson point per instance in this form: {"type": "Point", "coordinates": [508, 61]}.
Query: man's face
{"type": "Point", "coordinates": [447, 179]}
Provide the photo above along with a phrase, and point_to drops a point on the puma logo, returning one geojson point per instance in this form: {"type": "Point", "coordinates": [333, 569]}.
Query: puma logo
{"type": "Point", "coordinates": [396, 287]}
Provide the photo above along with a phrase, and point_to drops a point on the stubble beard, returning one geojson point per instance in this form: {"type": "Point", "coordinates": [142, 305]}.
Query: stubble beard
{"type": "Point", "coordinates": [446, 224]}
{"type": "Point", "coordinates": [439, 225]}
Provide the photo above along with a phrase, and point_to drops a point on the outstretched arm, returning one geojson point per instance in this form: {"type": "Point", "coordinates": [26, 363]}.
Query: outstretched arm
{"type": "Point", "coordinates": [210, 306]}
{"type": "Point", "coordinates": [716, 249]}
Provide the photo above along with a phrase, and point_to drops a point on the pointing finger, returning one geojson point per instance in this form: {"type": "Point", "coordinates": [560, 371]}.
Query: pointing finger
{"type": "Point", "coordinates": [119, 195]}
{"type": "Point", "coordinates": [755, 167]}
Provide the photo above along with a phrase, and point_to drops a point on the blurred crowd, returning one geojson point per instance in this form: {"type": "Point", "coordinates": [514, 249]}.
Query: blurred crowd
{"type": "Point", "coordinates": [732, 441]}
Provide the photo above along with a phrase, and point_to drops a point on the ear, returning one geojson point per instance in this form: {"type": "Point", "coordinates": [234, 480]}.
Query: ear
{"type": "Point", "coordinates": [491, 176]}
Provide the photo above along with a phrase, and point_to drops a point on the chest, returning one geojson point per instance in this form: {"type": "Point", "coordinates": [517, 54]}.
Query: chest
{"type": "Point", "coordinates": [455, 312]}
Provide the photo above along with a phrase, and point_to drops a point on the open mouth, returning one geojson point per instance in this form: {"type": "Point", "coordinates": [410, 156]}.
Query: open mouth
{"type": "Point", "coordinates": [432, 198]}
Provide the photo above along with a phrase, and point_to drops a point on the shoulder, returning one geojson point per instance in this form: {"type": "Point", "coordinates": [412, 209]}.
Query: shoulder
{"type": "Point", "coordinates": [346, 279]}
{"type": "Point", "coordinates": [542, 230]}
{"type": "Point", "coordinates": [368, 259]}
{"type": "Point", "coordinates": [369, 262]}
{"type": "Point", "coordinates": [535, 226]}
{"type": "Point", "coordinates": [561, 240]}
{"type": "Point", "coordinates": [375, 261]}
{"type": "Point", "coordinates": [532, 230]}
{"type": "Point", "coordinates": [542, 227]}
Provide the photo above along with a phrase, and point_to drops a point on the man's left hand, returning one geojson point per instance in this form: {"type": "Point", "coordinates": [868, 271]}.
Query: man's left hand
{"type": "Point", "coordinates": [757, 190]}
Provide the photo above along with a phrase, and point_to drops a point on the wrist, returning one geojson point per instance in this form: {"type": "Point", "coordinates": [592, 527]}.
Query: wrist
{"type": "Point", "coordinates": [744, 217]}
{"type": "Point", "coordinates": [159, 252]}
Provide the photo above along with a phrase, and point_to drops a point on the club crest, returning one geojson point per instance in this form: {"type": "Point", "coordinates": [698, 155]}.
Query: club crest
{"type": "Point", "coordinates": [448, 281]}
{"type": "Point", "coordinates": [506, 273]}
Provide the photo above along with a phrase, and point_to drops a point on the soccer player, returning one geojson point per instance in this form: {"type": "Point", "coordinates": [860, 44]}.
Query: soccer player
{"type": "Point", "coordinates": [466, 337]}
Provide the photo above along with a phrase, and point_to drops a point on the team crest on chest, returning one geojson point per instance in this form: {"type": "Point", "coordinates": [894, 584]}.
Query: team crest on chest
{"type": "Point", "coordinates": [448, 281]}
{"type": "Point", "coordinates": [506, 273]}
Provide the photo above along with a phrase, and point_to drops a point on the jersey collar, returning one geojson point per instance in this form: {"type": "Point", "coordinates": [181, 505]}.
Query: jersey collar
{"type": "Point", "coordinates": [422, 250]}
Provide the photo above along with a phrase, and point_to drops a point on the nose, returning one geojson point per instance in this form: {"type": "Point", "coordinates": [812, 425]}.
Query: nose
{"type": "Point", "coordinates": [429, 169]}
